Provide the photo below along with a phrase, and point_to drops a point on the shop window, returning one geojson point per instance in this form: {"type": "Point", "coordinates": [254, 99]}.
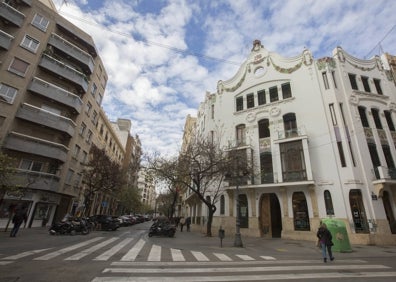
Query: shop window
{"type": "Point", "coordinates": [300, 212]}
{"type": "Point", "coordinates": [328, 203]}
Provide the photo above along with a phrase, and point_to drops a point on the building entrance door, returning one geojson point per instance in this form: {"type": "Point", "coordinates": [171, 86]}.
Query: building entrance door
{"type": "Point", "coordinates": [270, 216]}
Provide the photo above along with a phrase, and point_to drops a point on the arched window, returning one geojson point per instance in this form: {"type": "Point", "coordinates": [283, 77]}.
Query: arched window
{"type": "Point", "coordinates": [328, 203]}
{"type": "Point", "coordinates": [222, 204]}
{"type": "Point", "coordinates": [300, 212]}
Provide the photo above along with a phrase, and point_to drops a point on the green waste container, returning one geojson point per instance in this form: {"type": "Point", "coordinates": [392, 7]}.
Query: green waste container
{"type": "Point", "coordinates": [340, 235]}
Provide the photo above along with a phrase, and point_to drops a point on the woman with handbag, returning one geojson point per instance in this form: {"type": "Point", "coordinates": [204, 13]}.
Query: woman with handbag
{"type": "Point", "coordinates": [326, 241]}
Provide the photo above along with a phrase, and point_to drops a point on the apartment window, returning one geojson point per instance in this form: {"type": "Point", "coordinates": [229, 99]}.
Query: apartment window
{"type": "Point", "coordinates": [290, 125]}
{"type": "Point", "coordinates": [69, 176]}
{"type": "Point", "coordinates": [240, 134]}
{"type": "Point", "coordinates": [377, 84]}
{"type": "Point", "coordinates": [77, 180]}
{"type": "Point", "coordinates": [212, 134]}
{"type": "Point", "coordinates": [273, 91]}
{"type": "Point", "coordinates": [261, 97]}
{"type": "Point", "coordinates": [263, 126]}
{"type": "Point", "coordinates": [341, 153]}
{"type": "Point", "coordinates": [366, 85]}
{"type": "Point", "coordinates": [89, 136]}
{"type": "Point", "coordinates": [239, 103]}
{"type": "Point", "coordinates": [76, 151]}
{"type": "Point", "coordinates": [332, 113]}
{"type": "Point", "coordinates": [30, 43]}
{"type": "Point", "coordinates": [249, 101]}
{"type": "Point", "coordinates": [18, 67]}
{"type": "Point", "coordinates": [7, 93]}
{"type": "Point", "coordinates": [88, 108]}
{"type": "Point", "coordinates": [93, 89]}
{"type": "Point", "coordinates": [286, 90]}
{"type": "Point", "coordinates": [30, 165]}
{"type": "Point", "coordinates": [325, 80]}
{"type": "Point", "coordinates": [99, 98]}
{"type": "Point", "coordinates": [300, 212]}
{"type": "Point", "coordinates": [84, 157]}
{"type": "Point", "coordinates": [40, 22]}
{"type": "Point", "coordinates": [292, 161]}
{"type": "Point", "coordinates": [94, 117]}
{"type": "Point", "coordinates": [389, 121]}
{"type": "Point", "coordinates": [212, 111]}
{"type": "Point", "coordinates": [388, 156]}
{"type": "Point", "coordinates": [363, 116]}
{"type": "Point", "coordinates": [334, 79]}
{"type": "Point", "coordinates": [82, 128]}
{"type": "Point", "coordinates": [352, 80]}
{"type": "Point", "coordinates": [377, 119]}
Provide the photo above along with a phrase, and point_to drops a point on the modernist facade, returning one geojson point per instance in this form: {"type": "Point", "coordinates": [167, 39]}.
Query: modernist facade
{"type": "Point", "coordinates": [320, 135]}
{"type": "Point", "coordinates": [52, 82]}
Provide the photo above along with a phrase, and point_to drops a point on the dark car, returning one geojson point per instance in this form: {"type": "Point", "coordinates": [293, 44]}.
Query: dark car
{"type": "Point", "coordinates": [106, 222]}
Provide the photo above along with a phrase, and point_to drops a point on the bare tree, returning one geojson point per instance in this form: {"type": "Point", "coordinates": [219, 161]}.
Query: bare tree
{"type": "Point", "coordinates": [101, 175]}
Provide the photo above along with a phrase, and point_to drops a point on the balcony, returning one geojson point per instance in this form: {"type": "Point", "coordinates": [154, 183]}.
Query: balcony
{"type": "Point", "coordinates": [5, 40]}
{"type": "Point", "coordinates": [11, 14]}
{"type": "Point", "coordinates": [294, 176]}
{"type": "Point", "coordinates": [82, 57]}
{"type": "Point", "coordinates": [56, 93]}
{"type": "Point", "coordinates": [46, 118]}
{"type": "Point", "coordinates": [35, 180]}
{"type": "Point", "coordinates": [64, 71]}
{"type": "Point", "coordinates": [384, 173]}
{"type": "Point", "coordinates": [291, 133]}
{"type": "Point", "coordinates": [27, 2]}
{"type": "Point", "coordinates": [36, 146]}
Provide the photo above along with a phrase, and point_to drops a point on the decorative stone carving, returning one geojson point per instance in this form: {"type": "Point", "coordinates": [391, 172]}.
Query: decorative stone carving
{"type": "Point", "coordinates": [275, 111]}
{"type": "Point", "coordinates": [251, 117]}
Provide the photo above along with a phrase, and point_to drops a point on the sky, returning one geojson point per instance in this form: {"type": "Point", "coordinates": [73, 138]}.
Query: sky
{"type": "Point", "coordinates": [162, 56]}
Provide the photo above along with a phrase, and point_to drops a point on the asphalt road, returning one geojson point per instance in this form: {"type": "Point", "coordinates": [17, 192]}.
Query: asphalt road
{"type": "Point", "coordinates": [128, 254]}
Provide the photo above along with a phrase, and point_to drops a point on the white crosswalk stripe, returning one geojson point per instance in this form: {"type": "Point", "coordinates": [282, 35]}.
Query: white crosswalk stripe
{"type": "Point", "coordinates": [177, 255]}
{"type": "Point", "coordinates": [245, 257]}
{"type": "Point", "coordinates": [222, 257]}
{"type": "Point", "coordinates": [133, 253]}
{"type": "Point", "coordinates": [155, 253]}
{"type": "Point", "coordinates": [242, 271]}
{"type": "Point", "coordinates": [109, 253]}
{"type": "Point", "coordinates": [91, 250]}
{"type": "Point", "coordinates": [199, 256]}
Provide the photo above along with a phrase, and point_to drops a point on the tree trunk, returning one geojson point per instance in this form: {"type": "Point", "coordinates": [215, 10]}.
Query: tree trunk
{"type": "Point", "coordinates": [209, 223]}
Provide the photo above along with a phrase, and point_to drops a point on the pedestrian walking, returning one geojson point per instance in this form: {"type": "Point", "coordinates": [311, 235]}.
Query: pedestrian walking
{"type": "Point", "coordinates": [188, 223]}
{"type": "Point", "coordinates": [19, 217]}
{"type": "Point", "coordinates": [182, 222]}
{"type": "Point", "coordinates": [326, 241]}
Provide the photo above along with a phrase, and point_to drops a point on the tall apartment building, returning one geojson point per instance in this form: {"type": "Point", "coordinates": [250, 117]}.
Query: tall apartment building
{"type": "Point", "coordinates": [52, 82]}
{"type": "Point", "coordinates": [320, 135]}
{"type": "Point", "coordinates": [146, 188]}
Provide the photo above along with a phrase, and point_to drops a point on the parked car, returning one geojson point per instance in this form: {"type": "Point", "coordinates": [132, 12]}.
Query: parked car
{"type": "Point", "coordinates": [106, 222]}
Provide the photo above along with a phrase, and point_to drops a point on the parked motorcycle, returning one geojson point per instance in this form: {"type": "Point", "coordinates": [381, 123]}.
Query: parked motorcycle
{"type": "Point", "coordinates": [162, 229]}
{"type": "Point", "coordinates": [70, 226]}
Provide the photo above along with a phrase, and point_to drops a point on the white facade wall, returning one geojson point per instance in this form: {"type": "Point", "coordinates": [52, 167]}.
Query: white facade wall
{"type": "Point", "coordinates": [318, 132]}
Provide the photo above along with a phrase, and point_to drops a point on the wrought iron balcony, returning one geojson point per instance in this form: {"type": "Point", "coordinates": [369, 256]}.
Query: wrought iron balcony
{"type": "Point", "coordinates": [36, 146]}
{"type": "Point", "coordinates": [35, 180]}
{"type": "Point", "coordinates": [291, 133]}
{"type": "Point", "coordinates": [5, 40]}
{"type": "Point", "coordinates": [46, 118]}
{"type": "Point", "coordinates": [384, 173]}
{"type": "Point", "coordinates": [65, 71]}
{"type": "Point", "coordinates": [73, 51]}
{"type": "Point", "coordinates": [11, 14]}
{"type": "Point", "coordinates": [56, 93]}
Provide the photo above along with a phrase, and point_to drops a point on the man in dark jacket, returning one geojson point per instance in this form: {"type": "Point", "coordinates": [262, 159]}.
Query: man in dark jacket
{"type": "Point", "coordinates": [326, 241]}
{"type": "Point", "coordinates": [19, 217]}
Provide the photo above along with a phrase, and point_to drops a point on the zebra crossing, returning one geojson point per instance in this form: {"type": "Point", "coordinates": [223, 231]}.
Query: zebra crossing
{"type": "Point", "coordinates": [243, 271]}
{"type": "Point", "coordinates": [125, 250]}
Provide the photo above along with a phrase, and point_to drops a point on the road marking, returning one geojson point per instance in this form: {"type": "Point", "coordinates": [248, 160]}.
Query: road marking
{"type": "Point", "coordinates": [265, 277]}
{"type": "Point", "coordinates": [68, 249]}
{"type": "Point", "coordinates": [106, 255]}
{"type": "Point", "coordinates": [222, 257]}
{"type": "Point", "coordinates": [245, 257]}
{"type": "Point", "coordinates": [155, 253]}
{"type": "Point", "coordinates": [177, 255]}
{"type": "Point", "coordinates": [268, 258]}
{"type": "Point", "coordinates": [134, 251]}
{"type": "Point", "coordinates": [199, 256]}
{"type": "Point", "coordinates": [91, 250]}
{"type": "Point", "coordinates": [243, 269]}
{"type": "Point", "coordinates": [25, 254]}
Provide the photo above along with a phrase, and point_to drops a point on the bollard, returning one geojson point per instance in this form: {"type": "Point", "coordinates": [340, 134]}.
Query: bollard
{"type": "Point", "coordinates": [221, 236]}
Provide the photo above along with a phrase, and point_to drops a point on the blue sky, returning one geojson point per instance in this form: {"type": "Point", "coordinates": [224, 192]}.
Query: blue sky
{"type": "Point", "coordinates": [162, 56]}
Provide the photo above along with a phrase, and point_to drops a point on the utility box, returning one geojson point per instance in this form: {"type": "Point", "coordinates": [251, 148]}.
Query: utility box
{"type": "Point", "coordinates": [221, 233]}
{"type": "Point", "coordinates": [340, 235]}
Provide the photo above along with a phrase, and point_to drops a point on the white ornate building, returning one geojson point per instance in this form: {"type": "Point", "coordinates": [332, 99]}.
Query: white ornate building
{"type": "Point", "coordinates": [320, 134]}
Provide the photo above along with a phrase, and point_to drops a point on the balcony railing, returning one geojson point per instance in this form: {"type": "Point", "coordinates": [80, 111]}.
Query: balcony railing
{"type": "Point", "coordinates": [293, 176]}
{"type": "Point", "coordinates": [65, 71]}
{"type": "Point", "coordinates": [56, 93]}
{"type": "Point", "coordinates": [385, 173]}
{"type": "Point", "coordinates": [5, 40]}
{"type": "Point", "coordinates": [11, 14]}
{"type": "Point", "coordinates": [35, 180]}
{"type": "Point", "coordinates": [36, 146]}
{"type": "Point", "coordinates": [46, 118]}
{"type": "Point", "coordinates": [27, 2]}
{"type": "Point", "coordinates": [73, 51]}
{"type": "Point", "coordinates": [291, 133]}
